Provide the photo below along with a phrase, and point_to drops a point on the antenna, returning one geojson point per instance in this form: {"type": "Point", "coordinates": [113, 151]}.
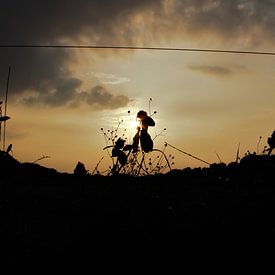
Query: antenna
{"type": "Point", "coordinates": [5, 110]}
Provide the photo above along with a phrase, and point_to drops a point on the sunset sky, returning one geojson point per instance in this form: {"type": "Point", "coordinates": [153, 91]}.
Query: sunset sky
{"type": "Point", "coordinates": [59, 99]}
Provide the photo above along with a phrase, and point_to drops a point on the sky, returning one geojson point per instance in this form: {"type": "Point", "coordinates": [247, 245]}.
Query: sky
{"type": "Point", "coordinates": [60, 98]}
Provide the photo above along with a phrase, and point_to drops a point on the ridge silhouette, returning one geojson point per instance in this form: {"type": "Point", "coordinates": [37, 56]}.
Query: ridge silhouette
{"type": "Point", "coordinates": [57, 217]}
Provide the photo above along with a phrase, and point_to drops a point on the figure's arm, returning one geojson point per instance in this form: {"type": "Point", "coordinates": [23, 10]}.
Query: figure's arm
{"type": "Point", "coordinates": [149, 121]}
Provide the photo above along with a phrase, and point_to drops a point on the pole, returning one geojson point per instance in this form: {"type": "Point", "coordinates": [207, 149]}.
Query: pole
{"type": "Point", "coordinates": [5, 110]}
{"type": "Point", "coordinates": [0, 122]}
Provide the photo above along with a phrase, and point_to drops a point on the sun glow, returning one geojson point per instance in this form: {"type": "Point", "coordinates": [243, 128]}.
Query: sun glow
{"type": "Point", "coordinates": [133, 125]}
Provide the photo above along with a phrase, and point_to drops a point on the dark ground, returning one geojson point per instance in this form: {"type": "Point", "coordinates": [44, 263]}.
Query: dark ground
{"type": "Point", "coordinates": [64, 217]}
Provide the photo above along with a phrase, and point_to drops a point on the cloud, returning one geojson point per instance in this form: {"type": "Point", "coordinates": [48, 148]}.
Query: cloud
{"type": "Point", "coordinates": [134, 22]}
{"type": "Point", "coordinates": [212, 70]}
{"type": "Point", "coordinates": [252, 22]}
{"type": "Point", "coordinates": [100, 98]}
{"type": "Point", "coordinates": [47, 73]}
{"type": "Point", "coordinates": [40, 71]}
{"type": "Point", "coordinates": [110, 78]}
{"type": "Point", "coordinates": [14, 135]}
{"type": "Point", "coordinates": [38, 79]}
{"type": "Point", "coordinates": [218, 71]}
{"type": "Point", "coordinates": [52, 21]}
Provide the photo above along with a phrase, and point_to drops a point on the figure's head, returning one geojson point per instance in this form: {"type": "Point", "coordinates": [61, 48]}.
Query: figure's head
{"type": "Point", "coordinates": [141, 114]}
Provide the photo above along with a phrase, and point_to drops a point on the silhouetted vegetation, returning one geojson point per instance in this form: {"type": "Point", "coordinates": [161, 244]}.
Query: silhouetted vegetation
{"type": "Point", "coordinates": [137, 156]}
{"type": "Point", "coordinates": [61, 217]}
{"type": "Point", "coordinates": [80, 169]}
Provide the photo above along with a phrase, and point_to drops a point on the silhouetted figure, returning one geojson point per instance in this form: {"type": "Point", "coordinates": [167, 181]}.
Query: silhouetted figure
{"type": "Point", "coordinates": [271, 143]}
{"type": "Point", "coordinates": [142, 133]}
{"type": "Point", "coordinates": [117, 151]}
{"type": "Point", "coordinates": [145, 120]}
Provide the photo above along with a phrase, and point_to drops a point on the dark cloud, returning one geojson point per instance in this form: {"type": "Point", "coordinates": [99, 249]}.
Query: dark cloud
{"type": "Point", "coordinates": [108, 21]}
{"type": "Point", "coordinates": [42, 72]}
{"type": "Point", "coordinates": [33, 21]}
{"type": "Point", "coordinates": [139, 22]}
{"type": "Point", "coordinates": [100, 98]}
{"type": "Point", "coordinates": [45, 72]}
{"type": "Point", "coordinates": [252, 21]}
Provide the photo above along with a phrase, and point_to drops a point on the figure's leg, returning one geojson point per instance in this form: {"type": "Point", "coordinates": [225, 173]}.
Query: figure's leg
{"type": "Point", "coordinates": [135, 142]}
{"type": "Point", "coordinates": [146, 141]}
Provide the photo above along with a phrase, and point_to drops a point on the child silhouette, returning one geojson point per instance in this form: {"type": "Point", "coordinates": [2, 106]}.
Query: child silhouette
{"type": "Point", "coordinates": [142, 133]}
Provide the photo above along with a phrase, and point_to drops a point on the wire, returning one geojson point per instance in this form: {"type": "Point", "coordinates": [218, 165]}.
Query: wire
{"type": "Point", "coordinates": [187, 153]}
{"type": "Point", "coordinates": [135, 48]}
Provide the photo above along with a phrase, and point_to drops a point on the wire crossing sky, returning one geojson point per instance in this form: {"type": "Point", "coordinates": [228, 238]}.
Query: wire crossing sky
{"type": "Point", "coordinates": [137, 48]}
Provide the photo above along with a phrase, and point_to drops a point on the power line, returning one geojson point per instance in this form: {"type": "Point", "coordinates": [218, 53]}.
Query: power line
{"type": "Point", "coordinates": [192, 156]}
{"type": "Point", "coordinates": [136, 48]}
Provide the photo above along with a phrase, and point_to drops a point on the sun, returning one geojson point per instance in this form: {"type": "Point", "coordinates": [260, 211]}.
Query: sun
{"type": "Point", "coordinates": [133, 125]}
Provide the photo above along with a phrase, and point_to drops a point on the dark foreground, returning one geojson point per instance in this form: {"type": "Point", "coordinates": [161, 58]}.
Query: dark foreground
{"type": "Point", "coordinates": [53, 217]}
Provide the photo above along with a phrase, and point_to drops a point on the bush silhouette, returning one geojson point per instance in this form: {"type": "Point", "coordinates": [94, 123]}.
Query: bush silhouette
{"type": "Point", "coordinates": [80, 169]}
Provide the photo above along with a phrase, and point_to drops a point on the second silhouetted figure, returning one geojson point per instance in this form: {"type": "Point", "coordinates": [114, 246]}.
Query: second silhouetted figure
{"type": "Point", "coordinates": [146, 141]}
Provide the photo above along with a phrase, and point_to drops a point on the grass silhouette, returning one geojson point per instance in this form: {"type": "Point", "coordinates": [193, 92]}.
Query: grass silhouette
{"type": "Point", "coordinates": [128, 157]}
{"type": "Point", "coordinates": [57, 217]}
